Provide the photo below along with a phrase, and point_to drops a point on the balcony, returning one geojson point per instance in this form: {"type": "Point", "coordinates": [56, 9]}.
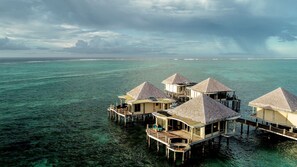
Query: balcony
{"type": "Point", "coordinates": [120, 109]}
{"type": "Point", "coordinates": [178, 140]}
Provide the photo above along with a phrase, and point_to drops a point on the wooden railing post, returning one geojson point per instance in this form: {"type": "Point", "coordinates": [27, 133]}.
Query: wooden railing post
{"type": "Point", "coordinates": [284, 131]}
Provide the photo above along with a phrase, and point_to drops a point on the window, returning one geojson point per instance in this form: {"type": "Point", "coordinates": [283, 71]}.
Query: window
{"type": "Point", "coordinates": [197, 131]}
{"type": "Point", "coordinates": [137, 107]}
{"type": "Point", "coordinates": [208, 129]}
{"type": "Point", "coordinates": [215, 127]}
{"type": "Point", "coordinates": [222, 126]}
{"type": "Point", "coordinates": [157, 104]}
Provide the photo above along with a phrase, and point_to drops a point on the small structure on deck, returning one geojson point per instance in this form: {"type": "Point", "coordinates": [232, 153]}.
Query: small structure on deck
{"type": "Point", "coordinates": [140, 103]}
{"type": "Point", "coordinates": [217, 91]}
{"type": "Point", "coordinates": [196, 121]}
{"type": "Point", "coordinates": [176, 87]}
{"type": "Point", "coordinates": [278, 110]}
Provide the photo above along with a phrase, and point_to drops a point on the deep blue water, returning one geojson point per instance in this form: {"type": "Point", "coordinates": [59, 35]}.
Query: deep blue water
{"type": "Point", "coordinates": [53, 112]}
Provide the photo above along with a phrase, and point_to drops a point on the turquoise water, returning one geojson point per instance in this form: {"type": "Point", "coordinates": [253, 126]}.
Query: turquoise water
{"type": "Point", "coordinates": [53, 112]}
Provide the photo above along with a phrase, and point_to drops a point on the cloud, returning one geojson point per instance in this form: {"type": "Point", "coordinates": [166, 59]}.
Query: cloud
{"type": "Point", "coordinates": [8, 44]}
{"type": "Point", "coordinates": [88, 26]}
{"type": "Point", "coordinates": [114, 45]}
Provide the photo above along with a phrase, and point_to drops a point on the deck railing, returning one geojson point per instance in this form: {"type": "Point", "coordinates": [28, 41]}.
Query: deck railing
{"type": "Point", "coordinates": [124, 111]}
{"type": "Point", "coordinates": [281, 131]}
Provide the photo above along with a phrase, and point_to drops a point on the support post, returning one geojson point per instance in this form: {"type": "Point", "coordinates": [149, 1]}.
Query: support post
{"type": "Point", "coordinates": [220, 138]}
{"type": "Point", "coordinates": [174, 158]}
{"type": "Point", "coordinates": [248, 129]}
{"type": "Point", "coordinates": [241, 127]}
{"type": "Point", "coordinates": [190, 153]}
{"type": "Point", "coordinates": [203, 148]}
{"type": "Point", "coordinates": [168, 152]}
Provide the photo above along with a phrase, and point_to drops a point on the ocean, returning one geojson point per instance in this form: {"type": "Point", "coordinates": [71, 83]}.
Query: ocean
{"type": "Point", "coordinates": [53, 111]}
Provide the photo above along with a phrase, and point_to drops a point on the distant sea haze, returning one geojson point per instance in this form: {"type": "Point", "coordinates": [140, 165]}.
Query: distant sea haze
{"type": "Point", "coordinates": [53, 110]}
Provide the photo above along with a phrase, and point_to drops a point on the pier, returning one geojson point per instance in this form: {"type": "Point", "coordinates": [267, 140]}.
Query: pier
{"type": "Point", "coordinates": [285, 132]}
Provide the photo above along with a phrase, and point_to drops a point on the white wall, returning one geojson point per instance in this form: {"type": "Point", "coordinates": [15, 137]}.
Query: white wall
{"type": "Point", "coordinates": [194, 94]}
{"type": "Point", "coordinates": [171, 88]}
{"type": "Point", "coordinates": [280, 117]}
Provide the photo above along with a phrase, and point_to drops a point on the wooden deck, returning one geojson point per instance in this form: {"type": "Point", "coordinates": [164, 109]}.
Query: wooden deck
{"type": "Point", "coordinates": [120, 111]}
{"type": "Point", "coordinates": [269, 128]}
{"type": "Point", "coordinates": [167, 137]}
{"type": "Point", "coordinates": [123, 115]}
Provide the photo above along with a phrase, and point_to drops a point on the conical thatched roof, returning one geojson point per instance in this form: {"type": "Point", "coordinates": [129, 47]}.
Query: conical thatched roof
{"type": "Point", "coordinates": [145, 91]}
{"type": "Point", "coordinates": [203, 109]}
{"type": "Point", "coordinates": [176, 79]}
{"type": "Point", "coordinates": [279, 99]}
{"type": "Point", "coordinates": [210, 85]}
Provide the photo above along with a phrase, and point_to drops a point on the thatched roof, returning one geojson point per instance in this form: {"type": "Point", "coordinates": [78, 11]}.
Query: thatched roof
{"type": "Point", "coordinates": [279, 99]}
{"type": "Point", "coordinates": [146, 90]}
{"type": "Point", "coordinates": [203, 109]}
{"type": "Point", "coordinates": [210, 85]}
{"type": "Point", "coordinates": [176, 79]}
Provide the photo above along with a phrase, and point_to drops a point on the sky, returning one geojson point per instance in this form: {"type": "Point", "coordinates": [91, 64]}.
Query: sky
{"type": "Point", "coordinates": [167, 28]}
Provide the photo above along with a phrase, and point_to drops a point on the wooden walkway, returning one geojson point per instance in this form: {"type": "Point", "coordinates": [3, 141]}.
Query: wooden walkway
{"type": "Point", "coordinates": [269, 128]}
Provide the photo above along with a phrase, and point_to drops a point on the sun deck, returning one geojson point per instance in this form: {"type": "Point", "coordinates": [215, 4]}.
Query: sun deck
{"type": "Point", "coordinates": [120, 111]}
{"type": "Point", "coordinates": [168, 138]}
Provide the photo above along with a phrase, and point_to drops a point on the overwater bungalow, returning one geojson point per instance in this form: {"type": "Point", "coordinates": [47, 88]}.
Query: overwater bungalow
{"type": "Point", "coordinates": [197, 120]}
{"type": "Point", "coordinates": [217, 91]}
{"type": "Point", "coordinates": [278, 110]}
{"type": "Point", "coordinates": [139, 103]}
{"type": "Point", "coordinates": [175, 86]}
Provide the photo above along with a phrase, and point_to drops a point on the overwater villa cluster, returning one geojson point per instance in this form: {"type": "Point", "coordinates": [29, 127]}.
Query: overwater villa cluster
{"type": "Point", "coordinates": [189, 113]}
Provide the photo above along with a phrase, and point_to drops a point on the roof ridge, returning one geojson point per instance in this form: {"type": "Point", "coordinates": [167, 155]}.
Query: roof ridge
{"type": "Point", "coordinates": [141, 89]}
{"type": "Point", "coordinates": [284, 93]}
{"type": "Point", "coordinates": [203, 106]}
{"type": "Point", "coordinates": [208, 83]}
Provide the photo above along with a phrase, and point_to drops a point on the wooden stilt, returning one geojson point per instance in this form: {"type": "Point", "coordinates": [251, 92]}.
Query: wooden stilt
{"type": "Point", "coordinates": [168, 153]}
{"type": "Point", "coordinates": [241, 127]}
{"type": "Point", "coordinates": [190, 152]}
{"type": "Point", "coordinates": [220, 138]}
{"type": "Point", "coordinates": [158, 146]}
{"type": "Point", "coordinates": [174, 158]}
{"type": "Point", "coordinates": [248, 130]}
{"type": "Point", "coordinates": [203, 148]}
{"type": "Point", "coordinates": [183, 158]}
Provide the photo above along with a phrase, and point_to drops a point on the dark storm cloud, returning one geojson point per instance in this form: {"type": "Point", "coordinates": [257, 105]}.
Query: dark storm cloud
{"type": "Point", "coordinates": [247, 24]}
